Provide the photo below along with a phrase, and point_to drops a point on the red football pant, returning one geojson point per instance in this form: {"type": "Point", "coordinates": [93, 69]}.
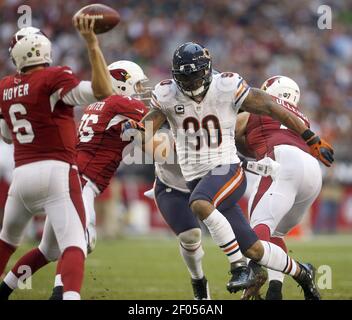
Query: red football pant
{"type": "Point", "coordinates": [6, 251]}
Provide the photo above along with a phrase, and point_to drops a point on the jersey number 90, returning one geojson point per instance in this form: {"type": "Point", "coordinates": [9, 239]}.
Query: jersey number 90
{"type": "Point", "coordinates": [205, 125]}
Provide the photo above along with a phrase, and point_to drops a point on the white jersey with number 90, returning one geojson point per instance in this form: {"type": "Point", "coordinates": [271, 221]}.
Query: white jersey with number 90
{"type": "Point", "coordinates": [204, 132]}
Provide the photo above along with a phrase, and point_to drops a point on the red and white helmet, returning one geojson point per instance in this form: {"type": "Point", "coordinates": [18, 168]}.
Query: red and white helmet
{"type": "Point", "coordinates": [283, 88]}
{"type": "Point", "coordinates": [29, 47]}
{"type": "Point", "coordinates": [127, 79]}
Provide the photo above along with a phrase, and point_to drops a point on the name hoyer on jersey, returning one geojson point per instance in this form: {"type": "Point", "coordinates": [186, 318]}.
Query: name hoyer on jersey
{"type": "Point", "coordinates": [13, 93]}
{"type": "Point", "coordinates": [97, 106]}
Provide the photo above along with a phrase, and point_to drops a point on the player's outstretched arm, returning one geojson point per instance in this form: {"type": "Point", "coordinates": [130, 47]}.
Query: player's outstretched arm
{"type": "Point", "coordinates": [259, 102]}
{"type": "Point", "coordinates": [101, 81]}
{"type": "Point", "coordinates": [154, 119]}
{"type": "Point", "coordinates": [147, 127]}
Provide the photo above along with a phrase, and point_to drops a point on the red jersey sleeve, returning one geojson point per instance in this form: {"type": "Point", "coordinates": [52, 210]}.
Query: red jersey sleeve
{"type": "Point", "coordinates": [128, 108]}
{"type": "Point", "coordinates": [62, 80]}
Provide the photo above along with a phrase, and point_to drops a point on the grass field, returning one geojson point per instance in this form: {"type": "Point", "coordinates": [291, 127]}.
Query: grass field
{"type": "Point", "coordinates": [151, 268]}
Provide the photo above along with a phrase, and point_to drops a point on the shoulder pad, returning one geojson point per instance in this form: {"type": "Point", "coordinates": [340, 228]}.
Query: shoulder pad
{"type": "Point", "coordinates": [227, 81]}
{"type": "Point", "coordinates": [124, 102]}
{"type": "Point", "coordinates": [58, 70]}
{"type": "Point", "coordinates": [165, 90]}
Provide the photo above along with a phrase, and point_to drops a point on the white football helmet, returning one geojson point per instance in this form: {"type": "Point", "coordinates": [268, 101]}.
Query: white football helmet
{"type": "Point", "coordinates": [127, 79]}
{"type": "Point", "coordinates": [30, 47]}
{"type": "Point", "coordinates": [283, 88]}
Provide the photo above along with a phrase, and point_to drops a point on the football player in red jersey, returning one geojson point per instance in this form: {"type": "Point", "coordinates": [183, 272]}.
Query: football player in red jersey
{"type": "Point", "coordinates": [36, 106]}
{"type": "Point", "coordinates": [100, 147]}
{"type": "Point", "coordinates": [278, 204]}
{"type": "Point", "coordinates": [99, 153]}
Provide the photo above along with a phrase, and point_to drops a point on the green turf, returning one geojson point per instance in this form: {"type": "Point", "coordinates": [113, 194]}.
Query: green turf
{"type": "Point", "coordinates": [151, 268]}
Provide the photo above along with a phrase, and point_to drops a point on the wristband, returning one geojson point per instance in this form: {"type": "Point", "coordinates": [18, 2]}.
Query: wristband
{"type": "Point", "coordinates": [306, 135]}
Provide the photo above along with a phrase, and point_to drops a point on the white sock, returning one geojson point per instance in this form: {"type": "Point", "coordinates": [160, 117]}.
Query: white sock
{"type": "Point", "coordinates": [71, 295]}
{"type": "Point", "coordinates": [11, 280]}
{"type": "Point", "coordinates": [192, 254]}
{"type": "Point", "coordinates": [275, 275]}
{"type": "Point", "coordinates": [275, 258]}
{"type": "Point", "coordinates": [223, 235]}
{"type": "Point", "coordinates": [58, 281]}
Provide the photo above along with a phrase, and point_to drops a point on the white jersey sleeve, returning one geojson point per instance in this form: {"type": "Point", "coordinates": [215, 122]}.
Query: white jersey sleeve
{"type": "Point", "coordinates": [241, 93]}
{"type": "Point", "coordinates": [162, 94]}
{"type": "Point", "coordinates": [81, 95]}
{"type": "Point", "coordinates": [229, 82]}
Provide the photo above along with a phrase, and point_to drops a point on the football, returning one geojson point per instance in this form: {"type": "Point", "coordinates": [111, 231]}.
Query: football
{"type": "Point", "coordinates": [106, 17]}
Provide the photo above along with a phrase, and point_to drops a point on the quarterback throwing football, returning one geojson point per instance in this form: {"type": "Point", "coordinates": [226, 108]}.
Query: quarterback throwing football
{"type": "Point", "coordinates": [37, 115]}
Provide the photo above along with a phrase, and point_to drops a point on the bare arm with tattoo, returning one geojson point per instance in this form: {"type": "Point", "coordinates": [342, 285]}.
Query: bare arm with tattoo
{"type": "Point", "coordinates": [151, 123]}
{"type": "Point", "coordinates": [147, 128]}
{"type": "Point", "coordinates": [259, 102]}
{"type": "Point", "coordinates": [155, 119]}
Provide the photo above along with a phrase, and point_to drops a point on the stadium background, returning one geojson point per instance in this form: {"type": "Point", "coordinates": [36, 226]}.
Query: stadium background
{"type": "Point", "coordinates": [254, 38]}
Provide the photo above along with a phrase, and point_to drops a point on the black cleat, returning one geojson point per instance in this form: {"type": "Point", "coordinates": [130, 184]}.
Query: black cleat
{"type": "Point", "coordinates": [5, 291]}
{"type": "Point", "coordinates": [200, 289]}
{"type": "Point", "coordinates": [274, 291]}
{"type": "Point", "coordinates": [260, 277]}
{"type": "Point", "coordinates": [306, 279]}
{"type": "Point", "coordinates": [57, 293]}
{"type": "Point", "coordinates": [242, 277]}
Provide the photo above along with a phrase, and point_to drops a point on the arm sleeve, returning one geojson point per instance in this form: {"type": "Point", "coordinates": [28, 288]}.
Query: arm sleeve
{"type": "Point", "coordinates": [80, 95]}
{"type": "Point", "coordinates": [154, 103]}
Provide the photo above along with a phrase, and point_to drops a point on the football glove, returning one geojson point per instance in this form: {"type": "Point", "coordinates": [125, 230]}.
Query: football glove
{"type": "Point", "coordinates": [319, 148]}
{"type": "Point", "coordinates": [132, 124]}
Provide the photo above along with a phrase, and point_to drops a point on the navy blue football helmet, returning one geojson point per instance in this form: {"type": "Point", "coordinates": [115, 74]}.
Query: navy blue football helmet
{"type": "Point", "coordinates": [192, 69]}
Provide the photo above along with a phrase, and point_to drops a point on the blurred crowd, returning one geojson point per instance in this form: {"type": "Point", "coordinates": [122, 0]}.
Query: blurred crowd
{"type": "Point", "coordinates": [254, 38]}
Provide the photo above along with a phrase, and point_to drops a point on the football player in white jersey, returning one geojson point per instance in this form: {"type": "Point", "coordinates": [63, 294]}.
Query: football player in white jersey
{"type": "Point", "coordinates": [201, 109]}
{"type": "Point", "coordinates": [171, 196]}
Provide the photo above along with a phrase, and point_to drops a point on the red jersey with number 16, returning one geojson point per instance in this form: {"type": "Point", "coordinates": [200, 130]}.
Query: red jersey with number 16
{"type": "Point", "coordinates": [264, 133]}
{"type": "Point", "coordinates": [42, 125]}
{"type": "Point", "coordinates": [100, 147]}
